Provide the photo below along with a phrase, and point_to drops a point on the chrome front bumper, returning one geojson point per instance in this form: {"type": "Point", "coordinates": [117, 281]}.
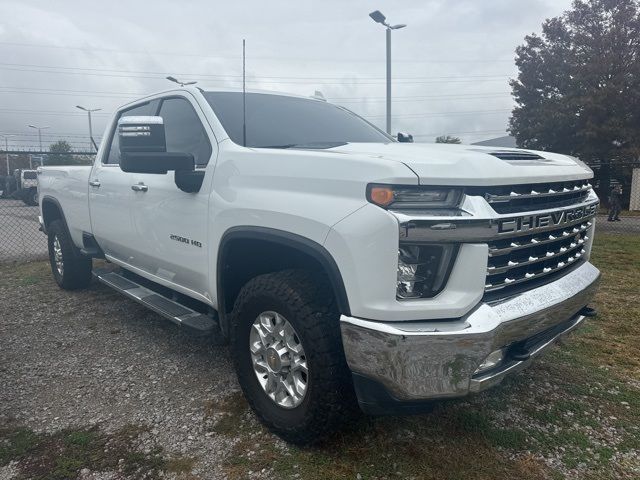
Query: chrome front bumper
{"type": "Point", "coordinates": [423, 360]}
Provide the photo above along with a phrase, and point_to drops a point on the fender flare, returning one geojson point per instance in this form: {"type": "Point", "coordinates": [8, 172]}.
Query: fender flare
{"type": "Point", "coordinates": [50, 199]}
{"type": "Point", "coordinates": [290, 240]}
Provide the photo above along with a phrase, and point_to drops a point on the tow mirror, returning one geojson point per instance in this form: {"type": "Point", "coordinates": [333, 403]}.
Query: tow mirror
{"type": "Point", "coordinates": [141, 134]}
{"type": "Point", "coordinates": [143, 147]}
{"type": "Point", "coordinates": [405, 137]}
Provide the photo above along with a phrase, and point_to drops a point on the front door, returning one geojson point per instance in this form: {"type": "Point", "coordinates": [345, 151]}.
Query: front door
{"type": "Point", "coordinates": [144, 221]}
{"type": "Point", "coordinates": [110, 194]}
{"type": "Point", "coordinates": [171, 225]}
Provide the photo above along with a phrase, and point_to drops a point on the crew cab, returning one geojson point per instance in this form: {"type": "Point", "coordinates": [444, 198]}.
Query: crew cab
{"type": "Point", "coordinates": [344, 267]}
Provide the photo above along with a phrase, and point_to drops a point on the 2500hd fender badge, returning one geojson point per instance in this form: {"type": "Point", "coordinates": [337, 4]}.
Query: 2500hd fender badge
{"type": "Point", "coordinates": [185, 240]}
{"type": "Point", "coordinates": [545, 220]}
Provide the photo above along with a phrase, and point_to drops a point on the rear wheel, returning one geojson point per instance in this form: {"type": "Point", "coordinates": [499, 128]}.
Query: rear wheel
{"type": "Point", "coordinates": [30, 197]}
{"type": "Point", "coordinates": [71, 270]}
{"type": "Point", "coordinates": [285, 338]}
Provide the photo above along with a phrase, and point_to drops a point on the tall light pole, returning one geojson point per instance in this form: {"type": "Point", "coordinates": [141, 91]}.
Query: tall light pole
{"type": "Point", "coordinates": [6, 149]}
{"type": "Point", "coordinates": [378, 17]}
{"type": "Point", "coordinates": [39, 141]}
{"type": "Point", "coordinates": [89, 110]}
{"type": "Point", "coordinates": [179, 82]}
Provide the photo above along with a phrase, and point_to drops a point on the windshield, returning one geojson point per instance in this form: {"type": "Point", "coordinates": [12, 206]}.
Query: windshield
{"type": "Point", "coordinates": [279, 121]}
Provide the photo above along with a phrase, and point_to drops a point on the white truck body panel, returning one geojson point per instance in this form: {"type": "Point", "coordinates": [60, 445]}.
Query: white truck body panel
{"type": "Point", "coordinates": [69, 185]}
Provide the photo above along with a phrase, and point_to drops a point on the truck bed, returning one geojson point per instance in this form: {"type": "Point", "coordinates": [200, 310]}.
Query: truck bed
{"type": "Point", "coordinates": [69, 186]}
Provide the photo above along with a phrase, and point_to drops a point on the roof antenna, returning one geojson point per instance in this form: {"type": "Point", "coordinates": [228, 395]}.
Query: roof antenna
{"type": "Point", "coordinates": [182, 84]}
{"type": "Point", "coordinates": [244, 98]}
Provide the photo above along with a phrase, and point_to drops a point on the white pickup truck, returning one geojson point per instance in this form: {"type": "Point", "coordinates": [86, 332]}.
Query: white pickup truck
{"type": "Point", "coordinates": [342, 266]}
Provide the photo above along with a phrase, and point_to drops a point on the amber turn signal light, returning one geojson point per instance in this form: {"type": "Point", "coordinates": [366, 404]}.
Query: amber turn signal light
{"type": "Point", "coordinates": [381, 196]}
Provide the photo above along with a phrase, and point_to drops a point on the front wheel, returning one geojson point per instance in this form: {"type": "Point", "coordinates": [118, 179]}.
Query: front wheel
{"type": "Point", "coordinates": [71, 270]}
{"type": "Point", "coordinates": [287, 349]}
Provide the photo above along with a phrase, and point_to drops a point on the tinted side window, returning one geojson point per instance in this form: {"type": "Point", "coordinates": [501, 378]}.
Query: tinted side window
{"type": "Point", "coordinates": [148, 108]}
{"type": "Point", "coordinates": [184, 131]}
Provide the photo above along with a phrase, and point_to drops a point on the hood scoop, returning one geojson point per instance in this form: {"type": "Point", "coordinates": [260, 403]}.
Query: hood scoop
{"type": "Point", "coordinates": [515, 156]}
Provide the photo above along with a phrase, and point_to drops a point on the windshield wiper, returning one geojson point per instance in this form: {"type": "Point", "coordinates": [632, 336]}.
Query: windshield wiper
{"type": "Point", "coordinates": [287, 145]}
{"type": "Point", "coordinates": [314, 145]}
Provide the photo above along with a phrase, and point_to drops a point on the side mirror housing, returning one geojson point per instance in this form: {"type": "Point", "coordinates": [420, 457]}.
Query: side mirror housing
{"type": "Point", "coordinates": [405, 137]}
{"type": "Point", "coordinates": [143, 147]}
{"type": "Point", "coordinates": [152, 162]}
{"type": "Point", "coordinates": [141, 134]}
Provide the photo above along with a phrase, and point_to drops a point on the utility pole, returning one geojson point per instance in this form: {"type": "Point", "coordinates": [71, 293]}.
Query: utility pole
{"type": "Point", "coordinates": [6, 150]}
{"type": "Point", "coordinates": [388, 80]}
{"type": "Point", "coordinates": [92, 144]}
{"type": "Point", "coordinates": [40, 141]}
{"type": "Point", "coordinates": [378, 17]}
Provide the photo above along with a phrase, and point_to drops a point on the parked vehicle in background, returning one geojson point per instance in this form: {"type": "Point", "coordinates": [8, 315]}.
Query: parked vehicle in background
{"type": "Point", "coordinates": [340, 265]}
{"type": "Point", "coordinates": [23, 185]}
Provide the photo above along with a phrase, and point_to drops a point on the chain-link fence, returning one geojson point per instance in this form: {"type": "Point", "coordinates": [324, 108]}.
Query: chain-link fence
{"type": "Point", "coordinates": [20, 239]}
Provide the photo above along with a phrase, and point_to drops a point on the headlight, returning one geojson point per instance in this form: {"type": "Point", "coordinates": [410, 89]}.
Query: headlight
{"type": "Point", "coordinates": [410, 196]}
{"type": "Point", "coordinates": [423, 269]}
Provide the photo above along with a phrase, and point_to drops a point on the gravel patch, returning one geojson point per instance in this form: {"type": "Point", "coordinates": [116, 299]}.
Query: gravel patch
{"type": "Point", "coordinates": [79, 359]}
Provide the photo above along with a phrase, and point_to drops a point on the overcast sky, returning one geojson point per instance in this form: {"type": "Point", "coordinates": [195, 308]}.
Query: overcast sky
{"type": "Point", "coordinates": [451, 64]}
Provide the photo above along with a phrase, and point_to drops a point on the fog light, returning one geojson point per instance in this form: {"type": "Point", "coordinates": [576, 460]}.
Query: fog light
{"type": "Point", "coordinates": [423, 270]}
{"type": "Point", "coordinates": [493, 360]}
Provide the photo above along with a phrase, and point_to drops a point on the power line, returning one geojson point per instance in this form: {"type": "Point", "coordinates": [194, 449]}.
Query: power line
{"type": "Point", "coordinates": [256, 57]}
{"type": "Point", "coordinates": [275, 82]}
{"type": "Point", "coordinates": [75, 91]}
{"type": "Point", "coordinates": [445, 114]}
{"type": "Point", "coordinates": [334, 100]}
{"type": "Point", "coordinates": [223, 76]}
{"type": "Point", "coordinates": [408, 115]}
{"type": "Point", "coordinates": [46, 112]}
{"type": "Point", "coordinates": [411, 100]}
{"type": "Point", "coordinates": [454, 95]}
{"type": "Point", "coordinates": [405, 98]}
{"type": "Point", "coordinates": [58, 94]}
{"type": "Point", "coordinates": [469, 132]}
{"type": "Point", "coordinates": [56, 134]}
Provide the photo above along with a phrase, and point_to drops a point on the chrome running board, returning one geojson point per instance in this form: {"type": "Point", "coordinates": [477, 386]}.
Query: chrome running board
{"type": "Point", "coordinates": [178, 313]}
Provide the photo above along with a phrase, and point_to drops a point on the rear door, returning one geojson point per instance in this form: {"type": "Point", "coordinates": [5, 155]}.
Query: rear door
{"type": "Point", "coordinates": [170, 226]}
{"type": "Point", "coordinates": [110, 194]}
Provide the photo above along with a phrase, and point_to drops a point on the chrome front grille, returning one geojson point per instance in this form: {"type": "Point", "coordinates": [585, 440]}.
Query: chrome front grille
{"type": "Point", "coordinates": [516, 260]}
{"type": "Point", "coordinates": [538, 196]}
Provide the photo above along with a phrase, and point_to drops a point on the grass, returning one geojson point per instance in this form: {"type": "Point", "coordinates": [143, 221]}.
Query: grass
{"type": "Point", "coordinates": [575, 412]}
{"type": "Point", "coordinates": [576, 408]}
{"type": "Point", "coordinates": [62, 455]}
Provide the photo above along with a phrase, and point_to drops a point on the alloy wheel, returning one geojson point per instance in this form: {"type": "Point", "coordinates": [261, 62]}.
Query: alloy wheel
{"type": "Point", "coordinates": [278, 359]}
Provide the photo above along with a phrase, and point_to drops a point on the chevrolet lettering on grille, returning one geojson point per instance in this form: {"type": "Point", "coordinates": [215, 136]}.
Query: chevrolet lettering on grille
{"type": "Point", "coordinates": [534, 222]}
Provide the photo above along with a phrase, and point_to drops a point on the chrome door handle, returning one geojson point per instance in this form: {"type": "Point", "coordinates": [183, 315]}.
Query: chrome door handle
{"type": "Point", "coordinates": [139, 187]}
{"type": "Point", "coordinates": [94, 183]}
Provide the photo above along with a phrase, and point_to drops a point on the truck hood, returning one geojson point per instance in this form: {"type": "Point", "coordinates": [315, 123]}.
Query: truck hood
{"type": "Point", "coordinates": [470, 165]}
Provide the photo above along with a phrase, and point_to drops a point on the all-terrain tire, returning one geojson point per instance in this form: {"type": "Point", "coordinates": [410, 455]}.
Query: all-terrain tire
{"type": "Point", "coordinates": [75, 272]}
{"type": "Point", "coordinates": [306, 301]}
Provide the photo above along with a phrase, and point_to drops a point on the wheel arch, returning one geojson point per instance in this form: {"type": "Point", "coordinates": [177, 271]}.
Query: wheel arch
{"type": "Point", "coordinates": [261, 245]}
{"type": "Point", "coordinates": [52, 210]}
